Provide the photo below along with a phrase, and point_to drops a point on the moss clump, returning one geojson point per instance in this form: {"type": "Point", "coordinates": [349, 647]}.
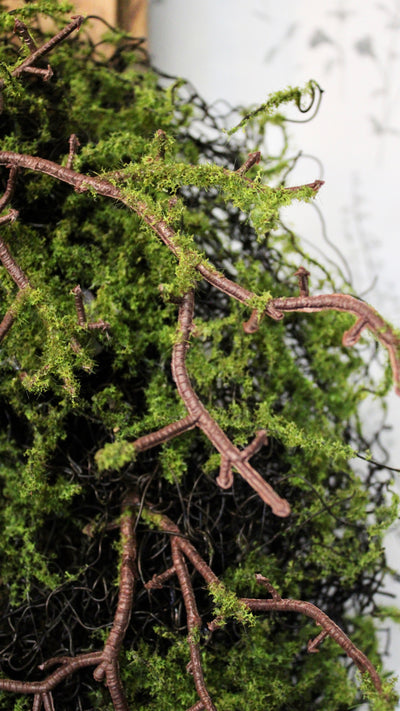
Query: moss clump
{"type": "Point", "coordinates": [73, 399]}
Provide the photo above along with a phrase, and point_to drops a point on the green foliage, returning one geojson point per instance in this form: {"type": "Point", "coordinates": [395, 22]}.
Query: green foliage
{"type": "Point", "coordinates": [227, 605]}
{"type": "Point", "coordinates": [114, 455]}
{"type": "Point", "coordinates": [73, 399]}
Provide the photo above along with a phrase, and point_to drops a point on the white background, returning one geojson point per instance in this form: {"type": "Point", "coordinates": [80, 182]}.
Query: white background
{"type": "Point", "coordinates": [242, 50]}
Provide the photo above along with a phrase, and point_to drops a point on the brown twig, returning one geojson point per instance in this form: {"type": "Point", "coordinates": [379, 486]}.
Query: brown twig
{"type": "Point", "coordinates": [252, 159]}
{"type": "Point", "coordinates": [302, 276]}
{"type": "Point", "coordinates": [8, 262]}
{"type": "Point", "coordinates": [6, 322]}
{"type": "Point", "coordinates": [10, 187]}
{"type": "Point", "coordinates": [330, 628]}
{"type": "Point", "coordinates": [181, 546]}
{"type": "Point", "coordinates": [21, 29]}
{"type": "Point", "coordinates": [207, 424]}
{"type": "Point", "coordinates": [73, 146]}
{"type": "Point", "coordinates": [164, 434]}
{"type": "Point", "coordinates": [193, 622]}
{"type": "Point", "coordinates": [37, 53]}
{"type": "Point", "coordinates": [81, 315]}
{"type": "Point", "coordinates": [105, 661]}
{"type": "Point", "coordinates": [367, 317]}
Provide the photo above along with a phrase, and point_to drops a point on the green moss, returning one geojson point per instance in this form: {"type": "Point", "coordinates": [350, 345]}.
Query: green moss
{"type": "Point", "coordinates": [226, 604]}
{"type": "Point", "coordinates": [73, 400]}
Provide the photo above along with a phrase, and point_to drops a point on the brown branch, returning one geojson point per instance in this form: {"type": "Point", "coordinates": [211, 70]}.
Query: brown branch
{"type": "Point", "coordinates": [109, 658]}
{"type": "Point", "coordinates": [6, 323]}
{"type": "Point", "coordinates": [48, 684]}
{"type": "Point", "coordinates": [252, 159]}
{"type": "Point", "coordinates": [302, 276]}
{"type": "Point", "coordinates": [158, 581]}
{"type": "Point", "coordinates": [10, 187]}
{"type": "Point", "coordinates": [330, 628]}
{"type": "Point", "coordinates": [45, 700]}
{"type": "Point", "coordinates": [105, 661]}
{"type": "Point", "coordinates": [181, 546]}
{"type": "Point", "coordinates": [207, 424]}
{"type": "Point", "coordinates": [73, 146]}
{"type": "Point", "coordinates": [46, 74]}
{"type": "Point", "coordinates": [37, 53]}
{"type": "Point", "coordinates": [315, 185]}
{"type": "Point", "coordinates": [80, 309]}
{"type": "Point", "coordinates": [313, 643]}
{"type": "Point", "coordinates": [276, 308]}
{"type": "Point", "coordinates": [225, 476]}
{"type": "Point", "coordinates": [8, 262]}
{"type": "Point", "coordinates": [167, 526]}
{"type": "Point", "coordinates": [164, 434]}
{"type": "Point", "coordinates": [21, 29]}
{"type": "Point", "coordinates": [81, 315]}
{"type": "Point", "coordinates": [367, 317]}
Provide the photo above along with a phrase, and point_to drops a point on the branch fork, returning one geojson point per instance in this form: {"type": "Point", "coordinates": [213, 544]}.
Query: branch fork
{"type": "Point", "coordinates": [106, 660]}
{"type": "Point", "coordinates": [181, 547]}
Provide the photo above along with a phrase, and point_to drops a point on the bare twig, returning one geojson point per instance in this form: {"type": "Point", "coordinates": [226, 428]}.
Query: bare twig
{"type": "Point", "coordinates": [252, 159]}
{"type": "Point", "coordinates": [193, 622]}
{"type": "Point", "coordinates": [302, 276]}
{"type": "Point", "coordinates": [37, 53]}
{"type": "Point", "coordinates": [10, 187]}
{"type": "Point", "coordinates": [81, 315]}
{"type": "Point", "coordinates": [330, 628]}
{"type": "Point", "coordinates": [73, 146]}
{"type": "Point", "coordinates": [21, 29]}
{"type": "Point", "coordinates": [8, 262]}
{"type": "Point", "coordinates": [367, 317]}
{"type": "Point", "coordinates": [164, 434]}
{"type": "Point", "coordinates": [207, 424]}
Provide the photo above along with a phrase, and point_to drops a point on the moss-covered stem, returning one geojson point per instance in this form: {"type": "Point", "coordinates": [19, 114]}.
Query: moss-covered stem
{"type": "Point", "coordinates": [275, 308]}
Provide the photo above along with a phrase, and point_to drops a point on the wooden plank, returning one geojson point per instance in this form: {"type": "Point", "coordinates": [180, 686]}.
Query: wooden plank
{"type": "Point", "coordinates": [130, 15]}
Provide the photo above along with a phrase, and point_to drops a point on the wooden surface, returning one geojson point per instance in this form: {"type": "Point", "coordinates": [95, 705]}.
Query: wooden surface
{"type": "Point", "coordinates": [131, 15]}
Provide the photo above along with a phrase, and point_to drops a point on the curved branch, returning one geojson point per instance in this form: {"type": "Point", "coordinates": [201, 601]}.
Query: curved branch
{"type": "Point", "coordinates": [37, 53]}
{"type": "Point", "coordinates": [179, 544]}
{"type": "Point", "coordinates": [207, 424]}
{"type": "Point", "coordinates": [276, 308]}
{"type": "Point", "coordinates": [330, 628]}
{"type": "Point", "coordinates": [367, 317]}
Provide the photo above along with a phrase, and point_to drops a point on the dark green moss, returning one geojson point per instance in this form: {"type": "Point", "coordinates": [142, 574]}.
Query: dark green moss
{"type": "Point", "coordinates": [68, 415]}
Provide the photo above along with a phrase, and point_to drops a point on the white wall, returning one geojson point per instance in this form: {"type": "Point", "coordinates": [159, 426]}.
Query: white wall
{"type": "Point", "coordinates": [241, 50]}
